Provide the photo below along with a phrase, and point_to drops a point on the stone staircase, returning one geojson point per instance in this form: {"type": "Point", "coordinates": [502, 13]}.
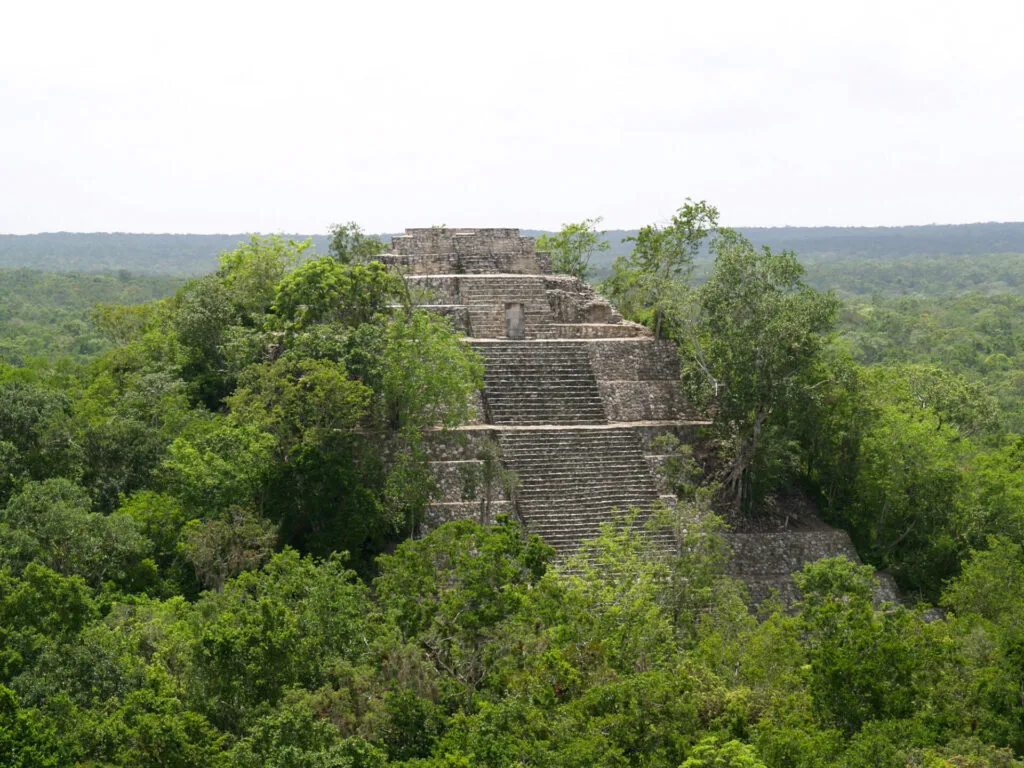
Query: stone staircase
{"type": "Point", "coordinates": [540, 382]}
{"type": "Point", "coordinates": [477, 263]}
{"type": "Point", "coordinates": [573, 478]}
{"type": "Point", "coordinates": [486, 296]}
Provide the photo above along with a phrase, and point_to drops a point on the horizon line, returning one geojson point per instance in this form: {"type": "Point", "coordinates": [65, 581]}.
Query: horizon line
{"type": "Point", "coordinates": [283, 233]}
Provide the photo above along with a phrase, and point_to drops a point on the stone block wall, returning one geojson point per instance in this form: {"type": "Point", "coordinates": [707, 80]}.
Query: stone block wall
{"type": "Point", "coordinates": [454, 465]}
{"type": "Point", "coordinates": [428, 241]}
{"type": "Point", "coordinates": [574, 301]}
{"type": "Point", "coordinates": [460, 481]}
{"type": "Point", "coordinates": [687, 433]}
{"type": "Point", "coordinates": [638, 379]}
{"type": "Point", "coordinates": [457, 314]}
{"type": "Point", "coordinates": [765, 562]}
{"type": "Point", "coordinates": [482, 299]}
{"type": "Point", "coordinates": [623, 330]}
{"type": "Point", "coordinates": [487, 295]}
{"type": "Point", "coordinates": [441, 251]}
{"type": "Point", "coordinates": [445, 512]}
{"type": "Point", "coordinates": [641, 400]}
{"type": "Point", "coordinates": [633, 359]}
{"type": "Point", "coordinates": [433, 290]}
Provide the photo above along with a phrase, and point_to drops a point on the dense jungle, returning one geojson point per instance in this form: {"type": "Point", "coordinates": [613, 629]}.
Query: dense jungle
{"type": "Point", "coordinates": [211, 491]}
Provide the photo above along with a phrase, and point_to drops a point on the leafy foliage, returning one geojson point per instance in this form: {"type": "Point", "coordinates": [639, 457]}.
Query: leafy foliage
{"type": "Point", "coordinates": [175, 515]}
{"type": "Point", "coordinates": [751, 351]}
{"type": "Point", "coordinates": [573, 247]}
{"type": "Point", "coordinates": [348, 244]}
{"type": "Point", "coordinates": [651, 283]}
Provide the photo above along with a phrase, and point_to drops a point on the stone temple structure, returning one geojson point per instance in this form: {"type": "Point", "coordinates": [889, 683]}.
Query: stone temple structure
{"type": "Point", "coordinates": [573, 394]}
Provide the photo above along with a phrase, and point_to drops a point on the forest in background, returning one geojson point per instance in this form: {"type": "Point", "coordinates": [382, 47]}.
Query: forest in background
{"type": "Point", "coordinates": [47, 314]}
{"type": "Point", "coordinates": [175, 496]}
{"type": "Point", "coordinates": [189, 254]}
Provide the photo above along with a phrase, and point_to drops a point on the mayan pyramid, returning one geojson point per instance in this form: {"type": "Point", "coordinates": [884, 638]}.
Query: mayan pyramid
{"type": "Point", "coordinates": [573, 394]}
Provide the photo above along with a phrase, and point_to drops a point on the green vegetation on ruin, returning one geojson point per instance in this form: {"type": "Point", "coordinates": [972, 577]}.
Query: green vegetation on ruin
{"type": "Point", "coordinates": [207, 491]}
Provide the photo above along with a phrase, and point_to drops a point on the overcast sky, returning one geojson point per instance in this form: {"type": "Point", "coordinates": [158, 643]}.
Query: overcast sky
{"type": "Point", "coordinates": [288, 116]}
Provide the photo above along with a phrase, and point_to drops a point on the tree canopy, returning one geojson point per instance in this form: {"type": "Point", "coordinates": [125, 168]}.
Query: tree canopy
{"type": "Point", "coordinates": [210, 551]}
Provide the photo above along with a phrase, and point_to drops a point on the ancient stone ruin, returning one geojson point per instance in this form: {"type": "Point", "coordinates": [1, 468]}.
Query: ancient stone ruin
{"type": "Point", "coordinates": [574, 396]}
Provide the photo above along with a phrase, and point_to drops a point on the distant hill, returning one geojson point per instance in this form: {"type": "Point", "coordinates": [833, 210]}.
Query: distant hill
{"type": "Point", "coordinates": [196, 254]}
{"type": "Point", "coordinates": [113, 251]}
{"type": "Point", "coordinates": [820, 244]}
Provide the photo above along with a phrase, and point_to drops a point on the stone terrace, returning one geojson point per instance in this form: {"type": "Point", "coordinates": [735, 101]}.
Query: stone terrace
{"type": "Point", "coordinates": [573, 395]}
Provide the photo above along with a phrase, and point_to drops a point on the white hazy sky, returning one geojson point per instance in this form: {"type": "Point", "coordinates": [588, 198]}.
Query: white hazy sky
{"type": "Point", "coordinates": [288, 116]}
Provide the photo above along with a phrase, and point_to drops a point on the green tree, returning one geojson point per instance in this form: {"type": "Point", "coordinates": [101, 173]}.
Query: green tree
{"type": "Point", "coordinates": [449, 592]}
{"type": "Point", "coordinates": [348, 243]}
{"type": "Point", "coordinates": [120, 455]}
{"type": "Point", "coordinates": [751, 354]}
{"type": "Point", "coordinates": [991, 500]}
{"type": "Point", "coordinates": [251, 273]}
{"type": "Point", "coordinates": [712, 752]}
{"type": "Point", "coordinates": [24, 740]}
{"type": "Point", "coordinates": [573, 246]}
{"type": "Point", "coordinates": [293, 735]}
{"type": "Point", "coordinates": [222, 464]}
{"type": "Point", "coordinates": [222, 547]}
{"type": "Point", "coordinates": [428, 373]}
{"type": "Point", "coordinates": [51, 522]}
{"type": "Point", "coordinates": [904, 507]}
{"type": "Point", "coordinates": [36, 435]}
{"type": "Point", "coordinates": [652, 283]}
{"type": "Point", "coordinates": [201, 314]}
{"type": "Point", "coordinates": [283, 626]}
{"type": "Point", "coordinates": [161, 519]}
{"type": "Point", "coordinates": [326, 290]}
{"type": "Point", "coordinates": [864, 664]}
{"type": "Point", "coordinates": [38, 609]}
{"type": "Point", "coordinates": [304, 403]}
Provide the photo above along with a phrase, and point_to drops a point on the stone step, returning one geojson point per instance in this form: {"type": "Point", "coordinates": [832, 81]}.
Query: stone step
{"type": "Point", "coordinates": [554, 465]}
{"type": "Point", "coordinates": [590, 408]}
{"type": "Point", "coordinates": [522, 374]}
{"type": "Point", "coordinates": [548, 472]}
{"type": "Point", "coordinates": [581, 407]}
{"type": "Point", "coordinates": [611, 474]}
{"type": "Point", "coordinates": [540, 420]}
{"type": "Point", "coordinates": [537, 388]}
{"type": "Point", "coordinates": [577, 491]}
{"type": "Point", "coordinates": [633, 495]}
{"type": "Point", "coordinates": [541, 522]}
{"type": "Point", "coordinates": [540, 479]}
{"type": "Point", "coordinates": [535, 397]}
{"type": "Point", "coordinates": [547, 351]}
{"type": "Point", "coordinates": [572, 510]}
{"type": "Point", "coordinates": [555, 451]}
{"type": "Point", "coordinates": [573, 481]}
{"type": "Point", "coordinates": [517, 349]}
{"type": "Point", "coordinates": [605, 477]}
{"type": "Point", "coordinates": [537, 375]}
{"type": "Point", "coordinates": [570, 543]}
{"type": "Point", "coordinates": [561, 363]}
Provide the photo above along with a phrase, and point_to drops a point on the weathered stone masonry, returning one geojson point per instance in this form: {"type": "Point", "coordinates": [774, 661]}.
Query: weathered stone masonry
{"type": "Point", "coordinates": [574, 396]}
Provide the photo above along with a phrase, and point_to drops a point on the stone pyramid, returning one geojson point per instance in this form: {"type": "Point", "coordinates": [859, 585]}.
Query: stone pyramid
{"type": "Point", "coordinates": [573, 394]}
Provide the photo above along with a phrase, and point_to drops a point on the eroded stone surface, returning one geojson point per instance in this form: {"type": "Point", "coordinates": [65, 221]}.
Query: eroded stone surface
{"type": "Point", "coordinates": [765, 562]}
{"type": "Point", "coordinates": [574, 405]}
